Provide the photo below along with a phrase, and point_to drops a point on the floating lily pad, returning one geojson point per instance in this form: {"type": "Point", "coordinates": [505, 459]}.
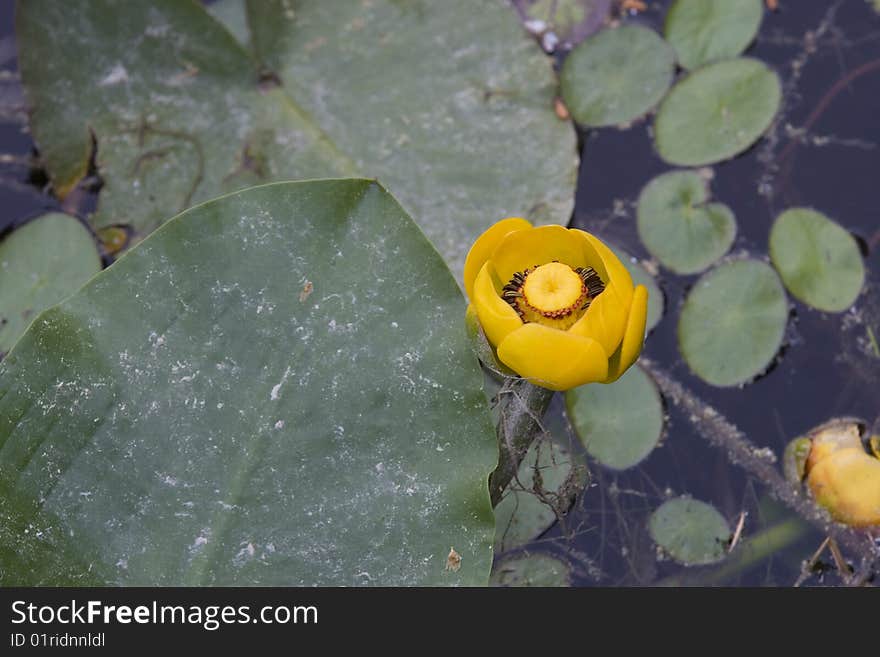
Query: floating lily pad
{"type": "Point", "coordinates": [690, 531]}
{"type": "Point", "coordinates": [641, 276]}
{"type": "Point", "coordinates": [716, 112]}
{"type": "Point", "coordinates": [531, 570]}
{"type": "Point", "coordinates": [619, 423]}
{"type": "Point", "coordinates": [617, 75]}
{"type": "Point", "coordinates": [704, 31]}
{"type": "Point", "coordinates": [818, 260]}
{"type": "Point", "coordinates": [233, 15]}
{"type": "Point", "coordinates": [251, 396]}
{"type": "Point", "coordinates": [438, 100]}
{"type": "Point", "coordinates": [522, 515]}
{"type": "Point", "coordinates": [679, 226]}
{"type": "Point", "coordinates": [733, 322]}
{"type": "Point", "coordinates": [40, 264]}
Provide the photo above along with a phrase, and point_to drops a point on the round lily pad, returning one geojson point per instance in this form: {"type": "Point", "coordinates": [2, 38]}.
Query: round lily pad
{"type": "Point", "coordinates": [704, 31]}
{"type": "Point", "coordinates": [617, 75]}
{"type": "Point", "coordinates": [619, 423]}
{"type": "Point", "coordinates": [41, 263]}
{"type": "Point", "coordinates": [732, 322]}
{"type": "Point", "coordinates": [679, 227]}
{"type": "Point", "coordinates": [818, 260]}
{"type": "Point", "coordinates": [641, 276]}
{"type": "Point", "coordinates": [531, 570]}
{"type": "Point", "coordinates": [690, 531]}
{"type": "Point", "coordinates": [522, 515]}
{"type": "Point", "coordinates": [716, 112]}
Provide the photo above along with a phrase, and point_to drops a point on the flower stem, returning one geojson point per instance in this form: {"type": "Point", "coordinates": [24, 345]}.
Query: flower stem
{"type": "Point", "coordinates": [519, 408]}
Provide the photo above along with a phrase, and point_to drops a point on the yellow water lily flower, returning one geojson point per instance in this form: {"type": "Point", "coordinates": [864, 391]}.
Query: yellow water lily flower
{"type": "Point", "coordinates": [843, 476]}
{"type": "Point", "coordinates": [558, 306]}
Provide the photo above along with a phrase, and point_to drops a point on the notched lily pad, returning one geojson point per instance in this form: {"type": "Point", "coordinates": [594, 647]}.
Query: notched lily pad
{"type": "Point", "coordinates": [818, 260]}
{"type": "Point", "coordinates": [620, 423]}
{"type": "Point", "coordinates": [548, 480]}
{"type": "Point", "coordinates": [617, 75]}
{"type": "Point", "coordinates": [733, 322]}
{"type": "Point", "coordinates": [704, 31]}
{"type": "Point", "coordinates": [192, 417]}
{"type": "Point", "coordinates": [716, 112]}
{"type": "Point", "coordinates": [690, 531]}
{"type": "Point", "coordinates": [679, 226]}
{"type": "Point", "coordinates": [41, 263]}
{"type": "Point", "coordinates": [527, 569]}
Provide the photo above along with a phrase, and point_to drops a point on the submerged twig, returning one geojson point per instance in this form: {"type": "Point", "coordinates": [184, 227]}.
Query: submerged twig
{"type": "Point", "coordinates": [760, 463]}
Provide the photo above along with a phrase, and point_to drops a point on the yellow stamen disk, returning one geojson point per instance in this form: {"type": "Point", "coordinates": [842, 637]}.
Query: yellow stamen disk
{"type": "Point", "coordinates": [553, 294]}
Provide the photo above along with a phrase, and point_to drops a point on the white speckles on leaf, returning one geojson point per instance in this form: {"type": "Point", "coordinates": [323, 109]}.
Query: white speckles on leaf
{"type": "Point", "coordinates": [116, 75]}
{"type": "Point", "coordinates": [276, 389]}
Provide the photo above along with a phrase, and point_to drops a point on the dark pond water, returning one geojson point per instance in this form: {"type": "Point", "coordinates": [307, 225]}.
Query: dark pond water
{"type": "Point", "coordinates": [827, 367]}
{"type": "Point", "coordinates": [829, 58]}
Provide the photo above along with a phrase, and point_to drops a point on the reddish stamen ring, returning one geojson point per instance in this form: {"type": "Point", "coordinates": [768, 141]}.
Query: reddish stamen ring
{"type": "Point", "coordinates": [592, 287]}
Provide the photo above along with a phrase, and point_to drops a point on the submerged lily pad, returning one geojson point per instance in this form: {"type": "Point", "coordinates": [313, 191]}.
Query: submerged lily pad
{"type": "Point", "coordinates": [678, 225]}
{"type": "Point", "coordinates": [641, 276]}
{"type": "Point", "coordinates": [617, 75]}
{"type": "Point", "coordinates": [437, 99]}
{"type": "Point", "coordinates": [522, 514]}
{"type": "Point", "coordinates": [252, 397]}
{"type": "Point", "coordinates": [704, 31]}
{"type": "Point", "coordinates": [619, 423]}
{"type": "Point", "coordinates": [716, 112]}
{"type": "Point", "coordinates": [818, 260]}
{"type": "Point", "coordinates": [570, 20]}
{"type": "Point", "coordinates": [531, 570]}
{"type": "Point", "coordinates": [733, 322]}
{"type": "Point", "coordinates": [690, 531]}
{"type": "Point", "coordinates": [40, 264]}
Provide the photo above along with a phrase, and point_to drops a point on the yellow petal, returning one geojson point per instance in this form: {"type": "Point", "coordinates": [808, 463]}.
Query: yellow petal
{"type": "Point", "coordinates": [605, 320]}
{"type": "Point", "coordinates": [847, 483]}
{"type": "Point", "coordinates": [538, 246]}
{"type": "Point", "coordinates": [483, 247]}
{"type": "Point", "coordinates": [633, 336]}
{"type": "Point", "coordinates": [497, 317]}
{"type": "Point", "coordinates": [607, 265]}
{"type": "Point", "coordinates": [552, 358]}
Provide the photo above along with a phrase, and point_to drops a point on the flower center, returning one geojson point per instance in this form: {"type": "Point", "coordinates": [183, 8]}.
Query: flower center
{"type": "Point", "coordinates": [553, 294]}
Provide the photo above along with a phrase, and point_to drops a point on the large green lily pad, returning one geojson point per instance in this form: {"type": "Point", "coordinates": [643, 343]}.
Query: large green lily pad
{"type": "Point", "coordinates": [275, 388]}
{"type": "Point", "coordinates": [450, 105]}
{"type": "Point", "coordinates": [42, 262]}
{"type": "Point", "coordinates": [619, 423]}
{"type": "Point", "coordinates": [733, 322]}
{"type": "Point", "coordinates": [690, 531]}
{"type": "Point", "coordinates": [679, 226]}
{"type": "Point", "coordinates": [548, 479]}
{"type": "Point", "coordinates": [716, 112]}
{"type": "Point", "coordinates": [818, 260]}
{"type": "Point", "coordinates": [617, 75]}
{"type": "Point", "coordinates": [704, 31]}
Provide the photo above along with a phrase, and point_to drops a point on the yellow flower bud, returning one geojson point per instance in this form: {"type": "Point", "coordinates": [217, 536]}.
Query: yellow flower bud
{"type": "Point", "coordinates": [557, 305]}
{"type": "Point", "coordinates": [842, 475]}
